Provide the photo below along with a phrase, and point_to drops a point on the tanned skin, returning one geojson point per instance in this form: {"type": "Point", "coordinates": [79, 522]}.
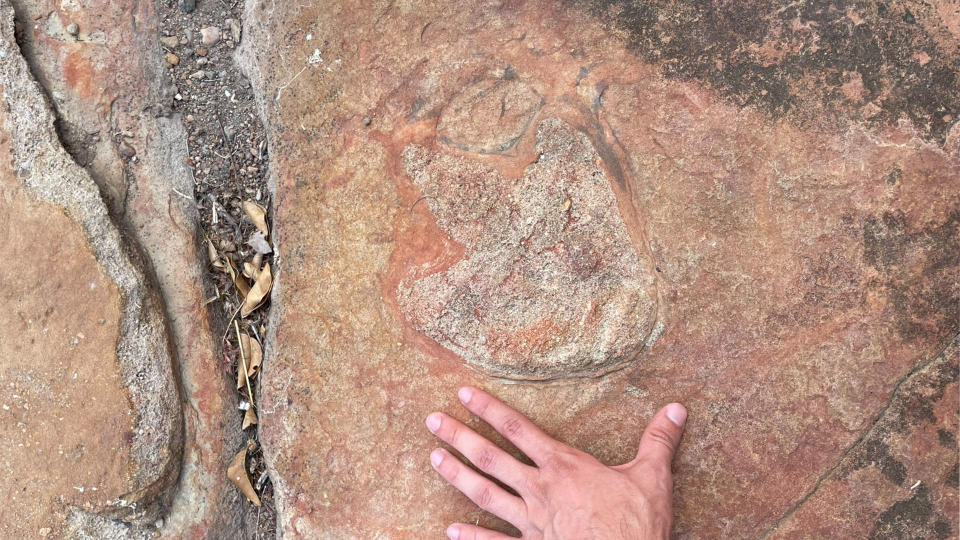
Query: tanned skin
{"type": "Point", "coordinates": [567, 493]}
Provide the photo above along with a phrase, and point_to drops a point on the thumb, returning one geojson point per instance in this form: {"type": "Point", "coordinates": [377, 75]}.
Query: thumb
{"type": "Point", "coordinates": [660, 440]}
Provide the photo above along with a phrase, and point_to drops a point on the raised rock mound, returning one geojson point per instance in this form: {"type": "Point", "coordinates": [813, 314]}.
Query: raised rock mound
{"type": "Point", "coordinates": [549, 284]}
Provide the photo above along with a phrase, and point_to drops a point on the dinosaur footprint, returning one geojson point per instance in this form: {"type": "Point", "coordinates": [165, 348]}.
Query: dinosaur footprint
{"type": "Point", "coordinates": [550, 285]}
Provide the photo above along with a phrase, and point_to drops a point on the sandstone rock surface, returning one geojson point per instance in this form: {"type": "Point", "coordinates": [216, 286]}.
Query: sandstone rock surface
{"type": "Point", "coordinates": [795, 189]}
{"type": "Point", "coordinates": [91, 417]}
{"type": "Point", "coordinates": [111, 99]}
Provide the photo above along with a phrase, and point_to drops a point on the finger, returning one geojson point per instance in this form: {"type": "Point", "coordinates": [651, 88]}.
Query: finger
{"type": "Point", "coordinates": [660, 440]}
{"type": "Point", "coordinates": [482, 491]}
{"type": "Point", "coordinates": [462, 531]}
{"type": "Point", "coordinates": [516, 427]}
{"type": "Point", "coordinates": [484, 454]}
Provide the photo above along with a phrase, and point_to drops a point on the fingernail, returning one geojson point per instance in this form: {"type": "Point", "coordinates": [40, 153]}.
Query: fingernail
{"type": "Point", "coordinates": [677, 414]}
{"type": "Point", "coordinates": [465, 394]}
{"type": "Point", "coordinates": [436, 457]}
{"type": "Point", "coordinates": [453, 532]}
{"type": "Point", "coordinates": [433, 422]}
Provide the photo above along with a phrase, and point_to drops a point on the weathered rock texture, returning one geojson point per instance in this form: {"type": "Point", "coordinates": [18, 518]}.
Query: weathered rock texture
{"type": "Point", "coordinates": [544, 289]}
{"type": "Point", "coordinates": [91, 415]}
{"type": "Point", "coordinates": [897, 471]}
{"type": "Point", "coordinates": [802, 228]}
{"type": "Point", "coordinates": [111, 98]}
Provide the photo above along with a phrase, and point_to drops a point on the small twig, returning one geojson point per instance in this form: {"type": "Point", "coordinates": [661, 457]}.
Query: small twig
{"type": "Point", "coordinates": [224, 336]}
{"type": "Point", "coordinates": [226, 215]}
{"type": "Point", "coordinates": [213, 209]}
{"type": "Point", "coordinates": [184, 196]}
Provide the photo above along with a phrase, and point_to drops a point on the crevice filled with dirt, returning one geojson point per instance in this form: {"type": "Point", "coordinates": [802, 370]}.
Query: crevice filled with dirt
{"type": "Point", "coordinates": [229, 157]}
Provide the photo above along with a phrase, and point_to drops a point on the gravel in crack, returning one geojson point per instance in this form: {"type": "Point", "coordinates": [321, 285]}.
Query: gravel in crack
{"type": "Point", "coordinates": [228, 155]}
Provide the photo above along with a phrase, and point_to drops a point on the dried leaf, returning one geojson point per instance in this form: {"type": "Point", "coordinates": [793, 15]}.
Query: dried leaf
{"type": "Point", "coordinates": [214, 256]}
{"type": "Point", "coordinates": [245, 349]}
{"type": "Point", "coordinates": [240, 378]}
{"type": "Point", "coordinates": [249, 270]}
{"type": "Point", "coordinates": [258, 215]}
{"type": "Point", "coordinates": [238, 280]}
{"type": "Point", "coordinates": [258, 293]}
{"type": "Point", "coordinates": [257, 261]}
{"type": "Point", "coordinates": [254, 358]}
{"type": "Point", "coordinates": [249, 419]}
{"type": "Point", "coordinates": [259, 243]}
{"type": "Point", "coordinates": [237, 472]}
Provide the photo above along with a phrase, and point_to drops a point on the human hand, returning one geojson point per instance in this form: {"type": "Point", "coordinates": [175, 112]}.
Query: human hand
{"type": "Point", "coordinates": [568, 494]}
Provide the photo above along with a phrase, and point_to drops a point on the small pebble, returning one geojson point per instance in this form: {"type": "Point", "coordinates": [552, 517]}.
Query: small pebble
{"type": "Point", "coordinates": [197, 74]}
{"type": "Point", "coordinates": [73, 29]}
{"type": "Point", "coordinates": [366, 121]}
{"type": "Point", "coordinates": [209, 35]}
{"type": "Point", "coordinates": [169, 42]}
{"type": "Point", "coordinates": [234, 29]}
{"type": "Point", "coordinates": [126, 150]}
{"type": "Point", "coordinates": [201, 61]}
{"type": "Point", "coordinates": [201, 51]}
{"type": "Point", "coordinates": [173, 59]}
{"type": "Point", "coordinates": [188, 5]}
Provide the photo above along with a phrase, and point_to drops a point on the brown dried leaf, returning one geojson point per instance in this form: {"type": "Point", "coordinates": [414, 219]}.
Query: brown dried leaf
{"type": "Point", "coordinates": [240, 379]}
{"type": "Point", "coordinates": [249, 419]}
{"type": "Point", "coordinates": [258, 215]}
{"type": "Point", "coordinates": [237, 472]}
{"type": "Point", "coordinates": [238, 280]}
{"type": "Point", "coordinates": [254, 358]}
{"type": "Point", "coordinates": [214, 256]}
{"type": "Point", "coordinates": [258, 293]}
{"type": "Point", "coordinates": [250, 271]}
{"type": "Point", "coordinates": [245, 349]}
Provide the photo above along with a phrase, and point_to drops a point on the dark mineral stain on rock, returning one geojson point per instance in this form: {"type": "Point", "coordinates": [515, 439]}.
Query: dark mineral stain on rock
{"type": "Point", "coordinates": [892, 248]}
{"type": "Point", "coordinates": [947, 438]}
{"type": "Point", "coordinates": [942, 528]}
{"type": "Point", "coordinates": [878, 453]}
{"type": "Point", "coordinates": [905, 519]}
{"type": "Point", "coordinates": [868, 61]}
{"type": "Point", "coordinates": [918, 406]}
{"type": "Point", "coordinates": [953, 478]}
{"type": "Point", "coordinates": [913, 406]}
